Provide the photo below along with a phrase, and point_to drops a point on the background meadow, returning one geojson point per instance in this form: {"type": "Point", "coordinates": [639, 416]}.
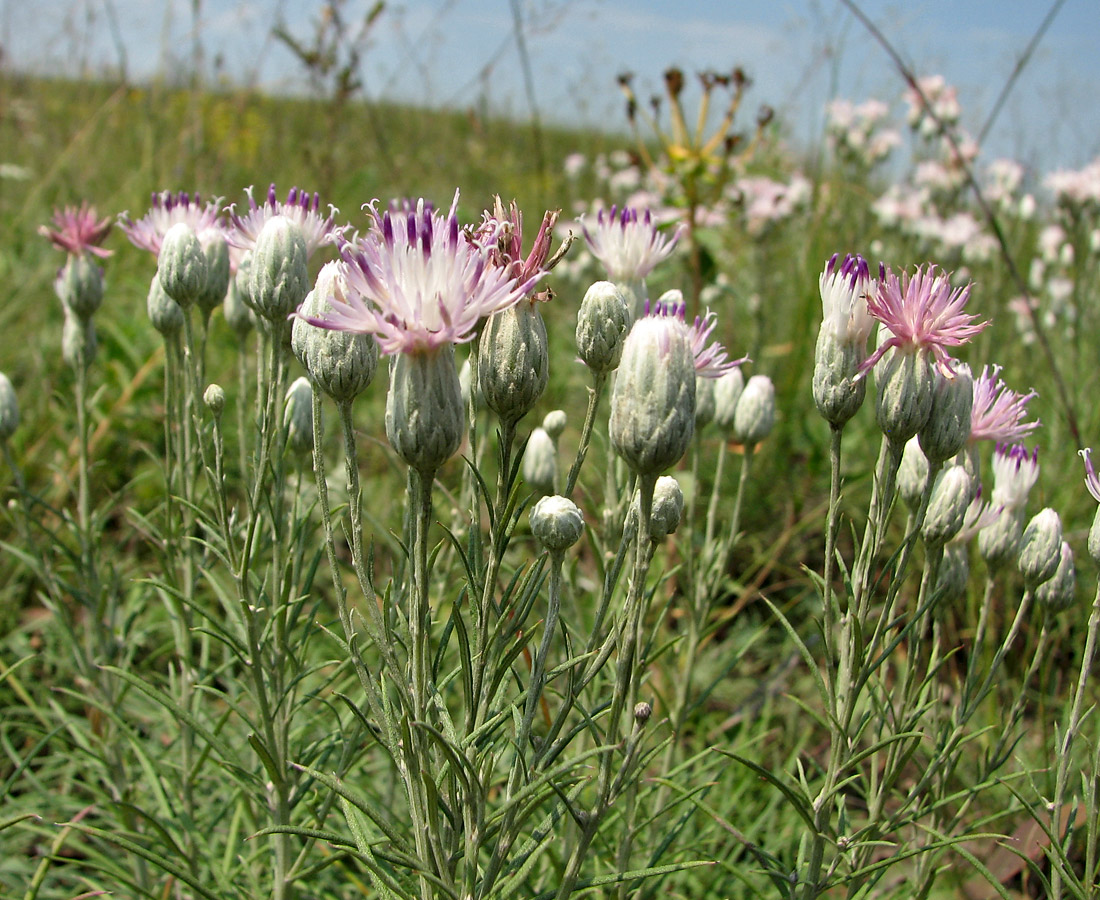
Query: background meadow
{"type": "Point", "coordinates": [763, 218]}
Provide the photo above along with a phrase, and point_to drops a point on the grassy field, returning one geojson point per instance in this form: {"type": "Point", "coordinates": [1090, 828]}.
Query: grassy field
{"type": "Point", "coordinates": [82, 745]}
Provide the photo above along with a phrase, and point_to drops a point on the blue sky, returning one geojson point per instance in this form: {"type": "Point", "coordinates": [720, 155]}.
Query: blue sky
{"type": "Point", "coordinates": [800, 53]}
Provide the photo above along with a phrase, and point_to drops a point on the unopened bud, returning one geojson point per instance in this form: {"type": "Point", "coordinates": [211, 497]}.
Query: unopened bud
{"type": "Point", "coordinates": [513, 363]}
{"type": "Point", "coordinates": [999, 542]}
{"type": "Point", "coordinates": [1040, 548]}
{"type": "Point", "coordinates": [9, 408]}
{"type": "Point", "coordinates": [727, 391]}
{"type": "Point", "coordinates": [181, 265]}
{"type": "Point", "coordinates": [668, 508]}
{"type": "Point", "coordinates": [216, 250]}
{"type": "Point", "coordinates": [947, 429]}
{"type": "Point", "coordinates": [214, 398]}
{"type": "Point", "coordinates": [603, 322]}
{"type": "Point", "coordinates": [298, 417]}
{"type": "Point", "coordinates": [425, 415]}
{"type": "Point", "coordinates": [838, 393]}
{"type": "Point", "coordinates": [912, 473]}
{"type": "Point", "coordinates": [238, 314]}
{"type": "Point", "coordinates": [704, 402]}
{"type": "Point", "coordinates": [540, 462]}
{"type": "Point", "coordinates": [642, 712]}
{"type": "Point", "coordinates": [1057, 593]}
{"type": "Point", "coordinates": [755, 415]}
{"type": "Point", "coordinates": [554, 423]}
{"type": "Point", "coordinates": [278, 276]}
{"type": "Point", "coordinates": [947, 506]}
{"type": "Point", "coordinates": [78, 342]}
{"type": "Point", "coordinates": [905, 390]}
{"type": "Point", "coordinates": [1094, 538]}
{"type": "Point", "coordinates": [164, 312]}
{"type": "Point", "coordinates": [79, 285]}
{"type": "Point", "coordinates": [557, 523]}
{"type": "Point", "coordinates": [953, 576]}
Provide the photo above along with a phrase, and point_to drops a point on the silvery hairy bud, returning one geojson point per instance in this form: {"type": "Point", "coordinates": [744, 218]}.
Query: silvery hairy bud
{"type": "Point", "coordinates": [425, 415]}
{"type": "Point", "coordinates": [603, 322]}
{"type": "Point", "coordinates": [214, 398]}
{"type": "Point", "coordinates": [668, 508]}
{"type": "Point", "coordinates": [9, 408]}
{"type": "Point", "coordinates": [642, 712]}
{"type": "Point", "coordinates": [912, 473]}
{"type": "Point", "coordinates": [948, 427]}
{"type": "Point", "coordinates": [999, 541]}
{"type": "Point", "coordinates": [1094, 538]}
{"type": "Point", "coordinates": [278, 276]}
{"type": "Point", "coordinates": [513, 362]}
{"type": "Point", "coordinates": [554, 423]}
{"type": "Point", "coordinates": [727, 391]}
{"type": "Point", "coordinates": [238, 315]}
{"type": "Point", "coordinates": [704, 401]}
{"type": "Point", "coordinates": [557, 523]}
{"type": "Point", "coordinates": [181, 265]}
{"type": "Point", "coordinates": [79, 286]}
{"type": "Point", "coordinates": [947, 506]}
{"type": "Point", "coordinates": [755, 414]}
{"type": "Point", "coordinates": [1040, 548]}
{"type": "Point", "coordinates": [953, 576]}
{"type": "Point", "coordinates": [216, 250]}
{"type": "Point", "coordinates": [540, 462]}
{"type": "Point", "coordinates": [298, 417]}
{"type": "Point", "coordinates": [78, 342]}
{"type": "Point", "coordinates": [164, 312]}
{"type": "Point", "coordinates": [341, 363]}
{"type": "Point", "coordinates": [653, 401]}
{"type": "Point", "coordinates": [905, 389]}
{"type": "Point", "coordinates": [1057, 593]}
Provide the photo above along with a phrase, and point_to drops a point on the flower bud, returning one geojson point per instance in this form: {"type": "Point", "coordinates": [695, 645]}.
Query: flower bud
{"type": "Point", "coordinates": [78, 342]}
{"type": "Point", "coordinates": [948, 427]}
{"type": "Point", "coordinates": [1040, 548]}
{"type": "Point", "coordinates": [999, 542]}
{"type": "Point", "coordinates": [603, 322]}
{"type": "Point", "coordinates": [214, 398]}
{"type": "Point", "coordinates": [164, 312]}
{"type": "Point", "coordinates": [467, 383]}
{"type": "Point", "coordinates": [1094, 538]}
{"type": "Point", "coordinates": [905, 389]}
{"type": "Point", "coordinates": [216, 250]}
{"type": "Point", "coordinates": [642, 712]}
{"type": "Point", "coordinates": [341, 363]}
{"type": "Point", "coordinates": [278, 277]}
{"type": "Point", "coordinates": [704, 401]}
{"type": "Point", "coordinates": [838, 393]}
{"type": "Point", "coordinates": [513, 363]}
{"type": "Point", "coordinates": [238, 314]}
{"type": "Point", "coordinates": [954, 574]}
{"type": "Point", "coordinates": [912, 473]}
{"type": "Point", "coordinates": [727, 391]}
{"type": "Point", "coordinates": [243, 281]}
{"type": "Point", "coordinates": [946, 507]}
{"type": "Point", "coordinates": [557, 523]}
{"type": "Point", "coordinates": [540, 462]}
{"type": "Point", "coordinates": [755, 414]}
{"type": "Point", "coordinates": [554, 423]}
{"type": "Point", "coordinates": [668, 508]}
{"type": "Point", "coordinates": [9, 408]}
{"type": "Point", "coordinates": [653, 401]}
{"type": "Point", "coordinates": [79, 285]}
{"type": "Point", "coordinates": [1057, 593]}
{"type": "Point", "coordinates": [425, 415]}
{"type": "Point", "coordinates": [182, 265]}
{"type": "Point", "coordinates": [298, 417]}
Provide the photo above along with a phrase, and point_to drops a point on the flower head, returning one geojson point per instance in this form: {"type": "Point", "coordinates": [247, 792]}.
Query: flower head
{"type": "Point", "coordinates": [416, 283]}
{"type": "Point", "coordinates": [77, 231]}
{"type": "Point", "coordinates": [1014, 474]}
{"type": "Point", "coordinates": [711, 358]}
{"type": "Point", "coordinates": [844, 290]}
{"type": "Point", "coordinates": [501, 232]}
{"type": "Point", "coordinates": [997, 412]}
{"type": "Point", "coordinates": [923, 313]}
{"type": "Point", "coordinates": [628, 244]}
{"type": "Point", "coordinates": [170, 209]}
{"type": "Point", "coordinates": [300, 207]}
{"type": "Point", "coordinates": [1092, 482]}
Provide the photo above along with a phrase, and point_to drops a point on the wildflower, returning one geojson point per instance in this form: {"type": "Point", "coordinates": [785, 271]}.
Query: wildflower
{"type": "Point", "coordinates": [181, 265]}
{"type": "Point", "coordinates": [278, 273]}
{"type": "Point", "coordinates": [923, 314]}
{"type": "Point", "coordinates": [755, 415]}
{"type": "Point", "coordinates": [997, 412]}
{"type": "Point", "coordinates": [169, 209]}
{"type": "Point", "coordinates": [842, 339]}
{"type": "Point", "coordinates": [1040, 548]}
{"type": "Point", "coordinates": [1092, 485]}
{"type": "Point", "coordinates": [78, 231]}
{"type": "Point", "coordinates": [711, 359]}
{"type": "Point", "coordinates": [300, 207]}
{"type": "Point", "coordinates": [1014, 475]}
{"type": "Point", "coordinates": [501, 232]}
{"type": "Point", "coordinates": [947, 506]}
{"type": "Point", "coordinates": [627, 243]}
{"type": "Point", "coordinates": [602, 325]}
{"type": "Point", "coordinates": [417, 284]}
{"type": "Point", "coordinates": [557, 523]}
{"type": "Point", "coordinates": [948, 427]}
{"type": "Point", "coordinates": [1057, 593]}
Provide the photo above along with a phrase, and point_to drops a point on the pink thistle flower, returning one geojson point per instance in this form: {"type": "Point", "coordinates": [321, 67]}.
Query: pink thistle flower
{"type": "Point", "coordinates": [416, 283]}
{"type": "Point", "coordinates": [1015, 472]}
{"type": "Point", "coordinates": [998, 412]}
{"type": "Point", "coordinates": [501, 232]}
{"type": "Point", "coordinates": [844, 290]}
{"type": "Point", "coordinates": [301, 207]}
{"type": "Point", "coordinates": [711, 358]}
{"type": "Point", "coordinates": [1092, 483]}
{"type": "Point", "coordinates": [170, 209]}
{"type": "Point", "coordinates": [628, 244]}
{"type": "Point", "coordinates": [923, 314]}
{"type": "Point", "coordinates": [77, 231]}
{"type": "Point", "coordinates": [979, 515]}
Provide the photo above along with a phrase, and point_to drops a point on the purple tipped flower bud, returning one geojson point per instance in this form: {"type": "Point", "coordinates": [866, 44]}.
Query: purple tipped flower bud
{"type": "Point", "coordinates": [425, 415]}
{"type": "Point", "coordinates": [278, 277]}
{"type": "Point", "coordinates": [1040, 548]}
{"type": "Point", "coordinates": [181, 265]}
{"type": "Point", "coordinates": [557, 523]}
